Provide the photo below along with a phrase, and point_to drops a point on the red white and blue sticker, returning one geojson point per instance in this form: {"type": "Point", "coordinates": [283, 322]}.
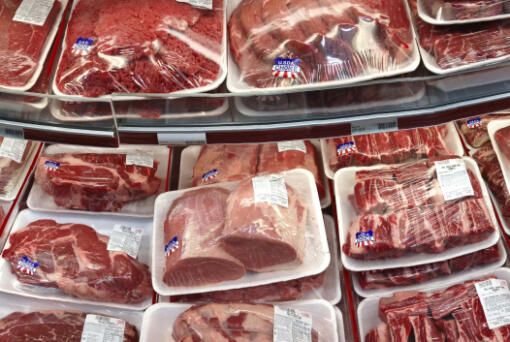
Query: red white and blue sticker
{"type": "Point", "coordinates": [209, 175]}
{"type": "Point", "coordinates": [27, 266]}
{"type": "Point", "coordinates": [365, 238]}
{"type": "Point", "coordinates": [51, 165]}
{"type": "Point", "coordinates": [82, 47]}
{"type": "Point", "coordinates": [172, 246]}
{"type": "Point", "coordinates": [345, 148]}
{"type": "Point", "coordinates": [286, 67]}
{"type": "Point", "coordinates": [474, 123]}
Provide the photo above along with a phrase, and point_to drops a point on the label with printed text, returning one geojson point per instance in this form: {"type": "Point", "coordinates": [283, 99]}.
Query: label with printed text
{"type": "Point", "coordinates": [102, 329]}
{"type": "Point", "coordinates": [291, 325]}
{"type": "Point", "coordinates": [33, 12]}
{"type": "Point", "coordinates": [495, 298]}
{"type": "Point", "coordinates": [13, 149]}
{"type": "Point", "coordinates": [270, 189]}
{"type": "Point", "coordinates": [453, 179]}
{"type": "Point", "coordinates": [294, 145]}
{"type": "Point", "coordinates": [140, 158]}
{"type": "Point", "coordinates": [125, 239]}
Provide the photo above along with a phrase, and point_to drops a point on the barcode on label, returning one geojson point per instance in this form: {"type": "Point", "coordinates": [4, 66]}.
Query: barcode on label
{"type": "Point", "coordinates": [386, 125]}
{"type": "Point", "coordinates": [374, 126]}
{"type": "Point", "coordinates": [12, 132]}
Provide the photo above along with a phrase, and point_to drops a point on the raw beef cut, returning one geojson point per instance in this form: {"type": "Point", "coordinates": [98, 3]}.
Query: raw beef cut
{"type": "Point", "coordinates": [228, 322]}
{"type": "Point", "coordinates": [10, 170]}
{"type": "Point", "coordinates": [95, 181]}
{"type": "Point", "coordinates": [73, 258]}
{"type": "Point", "coordinates": [386, 148]}
{"type": "Point", "coordinates": [22, 44]}
{"type": "Point", "coordinates": [225, 163]}
{"type": "Point", "coordinates": [418, 274]}
{"type": "Point", "coordinates": [453, 314]}
{"type": "Point", "coordinates": [276, 158]}
{"type": "Point", "coordinates": [195, 221]}
{"type": "Point", "coordinates": [474, 130]}
{"type": "Point", "coordinates": [50, 326]}
{"type": "Point", "coordinates": [276, 292]}
{"type": "Point", "coordinates": [282, 43]}
{"type": "Point", "coordinates": [131, 46]}
{"type": "Point", "coordinates": [447, 10]}
{"type": "Point", "coordinates": [264, 236]}
{"type": "Point", "coordinates": [502, 137]}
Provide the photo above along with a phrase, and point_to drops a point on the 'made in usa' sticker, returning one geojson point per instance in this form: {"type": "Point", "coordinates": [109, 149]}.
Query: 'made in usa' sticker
{"type": "Point", "coordinates": [82, 46]}
{"type": "Point", "coordinates": [172, 246]}
{"type": "Point", "coordinates": [27, 266]}
{"type": "Point", "coordinates": [209, 175]}
{"type": "Point", "coordinates": [287, 67]}
{"type": "Point", "coordinates": [474, 123]}
{"type": "Point", "coordinates": [345, 148]}
{"type": "Point", "coordinates": [365, 238]}
{"type": "Point", "coordinates": [51, 165]}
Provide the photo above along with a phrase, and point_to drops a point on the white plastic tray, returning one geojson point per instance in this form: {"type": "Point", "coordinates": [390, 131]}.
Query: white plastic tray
{"type": "Point", "coordinates": [344, 184]}
{"type": "Point", "coordinates": [6, 206]}
{"type": "Point", "coordinates": [39, 200]}
{"type": "Point", "coordinates": [368, 309]}
{"type": "Point", "coordinates": [492, 128]}
{"type": "Point", "coordinates": [315, 260]}
{"type": "Point", "coordinates": [44, 50]}
{"type": "Point", "coordinates": [340, 325]}
{"type": "Point", "coordinates": [452, 141]}
{"type": "Point", "coordinates": [103, 225]}
{"type": "Point", "coordinates": [190, 154]}
{"type": "Point", "coordinates": [425, 16]}
{"type": "Point", "coordinates": [159, 319]}
{"type": "Point", "coordinates": [384, 292]}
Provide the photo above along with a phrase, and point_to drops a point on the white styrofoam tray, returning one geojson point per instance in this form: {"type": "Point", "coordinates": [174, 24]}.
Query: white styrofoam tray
{"type": "Point", "coordinates": [504, 162]}
{"type": "Point", "coordinates": [368, 309]}
{"type": "Point", "coordinates": [103, 225]}
{"type": "Point", "coordinates": [425, 16]}
{"type": "Point", "coordinates": [190, 154]}
{"type": "Point", "coordinates": [16, 181]}
{"type": "Point", "coordinates": [159, 319]}
{"type": "Point", "coordinates": [340, 325]}
{"type": "Point", "coordinates": [315, 260]}
{"type": "Point", "coordinates": [221, 60]}
{"type": "Point", "coordinates": [6, 206]}
{"type": "Point", "coordinates": [11, 304]}
{"type": "Point", "coordinates": [236, 85]}
{"type": "Point", "coordinates": [422, 285]}
{"type": "Point", "coordinates": [44, 50]}
{"type": "Point", "coordinates": [452, 141]}
{"type": "Point", "coordinates": [39, 200]}
{"type": "Point", "coordinates": [344, 184]}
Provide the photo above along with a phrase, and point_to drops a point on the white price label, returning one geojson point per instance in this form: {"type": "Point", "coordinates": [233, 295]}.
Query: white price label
{"type": "Point", "coordinates": [495, 298]}
{"type": "Point", "coordinates": [13, 148]}
{"type": "Point", "coordinates": [271, 189]}
{"type": "Point", "coordinates": [453, 179]}
{"type": "Point", "coordinates": [291, 325]}
{"type": "Point", "coordinates": [374, 126]}
{"type": "Point", "coordinates": [295, 145]}
{"type": "Point", "coordinates": [125, 239]}
{"type": "Point", "coordinates": [207, 4]}
{"type": "Point", "coordinates": [140, 158]}
{"type": "Point", "coordinates": [102, 329]}
{"type": "Point", "coordinates": [33, 12]}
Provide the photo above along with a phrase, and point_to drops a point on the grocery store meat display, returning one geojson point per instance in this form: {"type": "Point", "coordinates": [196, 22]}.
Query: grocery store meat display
{"type": "Point", "coordinates": [474, 129]}
{"type": "Point", "coordinates": [10, 170]}
{"type": "Point", "coordinates": [452, 314]}
{"type": "Point", "coordinates": [50, 326]}
{"type": "Point", "coordinates": [264, 236]}
{"type": "Point", "coordinates": [333, 40]}
{"type": "Point", "coordinates": [94, 181]}
{"type": "Point", "coordinates": [463, 9]}
{"type": "Point", "coordinates": [276, 292]}
{"type": "Point", "coordinates": [228, 322]}
{"type": "Point", "coordinates": [386, 148]}
{"type": "Point", "coordinates": [225, 163]}
{"type": "Point", "coordinates": [502, 137]}
{"type": "Point", "coordinates": [196, 221]}
{"type": "Point", "coordinates": [140, 47]}
{"type": "Point", "coordinates": [405, 276]}
{"type": "Point", "coordinates": [73, 258]}
{"type": "Point", "coordinates": [22, 44]}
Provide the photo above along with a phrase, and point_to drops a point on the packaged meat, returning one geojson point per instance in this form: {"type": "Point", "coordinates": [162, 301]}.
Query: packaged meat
{"type": "Point", "coordinates": [122, 180]}
{"type": "Point", "coordinates": [502, 137]}
{"type": "Point", "coordinates": [389, 148]}
{"type": "Point", "coordinates": [276, 45]}
{"type": "Point", "coordinates": [27, 39]}
{"type": "Point", "coordinates": [240, 322]}
{"type": "Point", "coordinates": [449, 12]}
{"type": "Point", "coordinates": [380, 208]}
{"type": "Point", "coordinates": [151, 46]}
{"type": "Point", "coordinates": [223, 236]}
{"type": "Point", "coordinates": [68, 260]}
{"type": "Point", "coordinates": [474, 130]}
{"type": "Point", "coordinates": [456, 312]}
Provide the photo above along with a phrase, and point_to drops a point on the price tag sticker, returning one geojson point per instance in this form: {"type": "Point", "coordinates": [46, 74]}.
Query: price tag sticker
{"type": "Point", "coordinates": [12, 132]}
{"type": "Point", "coordinates": [374, 126]}
{"type": "Point", "coordinates": [294, 145]}
{"type": "Point", "coordinates": [13, 149]}
{"type": "Point", "coordinates": [271, 189]}
{"type": "Point", "coordinates": [33, 12]}
{"type": "Point", "coordinates": [125, 239]}
{"type": "Point", "coordinates": [102, 329]}
{"type": "Point", "coordinates": [140, 158]}
{"type": "Point", "coordinates": [495, 298]}
{"type": "Point", "coordinates": [291, 325]}
{"type": "Point", "coordinates": [453, 179]}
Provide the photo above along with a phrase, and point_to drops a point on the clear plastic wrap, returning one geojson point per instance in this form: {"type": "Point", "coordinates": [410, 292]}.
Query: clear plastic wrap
{"type": "Point", "coordinates": [444, 12]}
{"type": "Point", "coordinates": [151, 46]}
{"type": "Point", "coordinates": [283, 44]}
{"type": "Point", "coordinates": [474, 130]}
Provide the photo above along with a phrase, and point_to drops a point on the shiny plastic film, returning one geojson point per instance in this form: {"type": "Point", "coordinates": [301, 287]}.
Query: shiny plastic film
{"type": "Point", "coordinates": [474, 129]}
{"type": "Point", "coordinates": [466, 11]}
{"type": "Point", "coordinates": [152, 46]}
{"type": "Point", "coordinates": [420, 207]}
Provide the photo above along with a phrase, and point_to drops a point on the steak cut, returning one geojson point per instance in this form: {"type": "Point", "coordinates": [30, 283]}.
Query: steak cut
{"type": "Point", "coordinates": [476, 133]}
{"type": "Point", "coordinates": [502, 137]}
{"type": "Point", "coordinates": [225, 163]}
{"type": "Point", "coordinates": [95, 181]}
{"type": "Point", "coordinates": [50, 326]}
{"type": "Point", "coordinates": [196, 221]}
{"type": "Point", "coordinates": [10, 170]}
{"type": "Point", "coordinates": [73, 258]}
{"type": "Point", "coordinates": [22, 44]}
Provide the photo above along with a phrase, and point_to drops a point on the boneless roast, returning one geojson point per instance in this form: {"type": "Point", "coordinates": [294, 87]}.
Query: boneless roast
{"type": "Point", "coordinates": [95, 181]}
{"type": "Point", "coordinates": [73, 258]}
